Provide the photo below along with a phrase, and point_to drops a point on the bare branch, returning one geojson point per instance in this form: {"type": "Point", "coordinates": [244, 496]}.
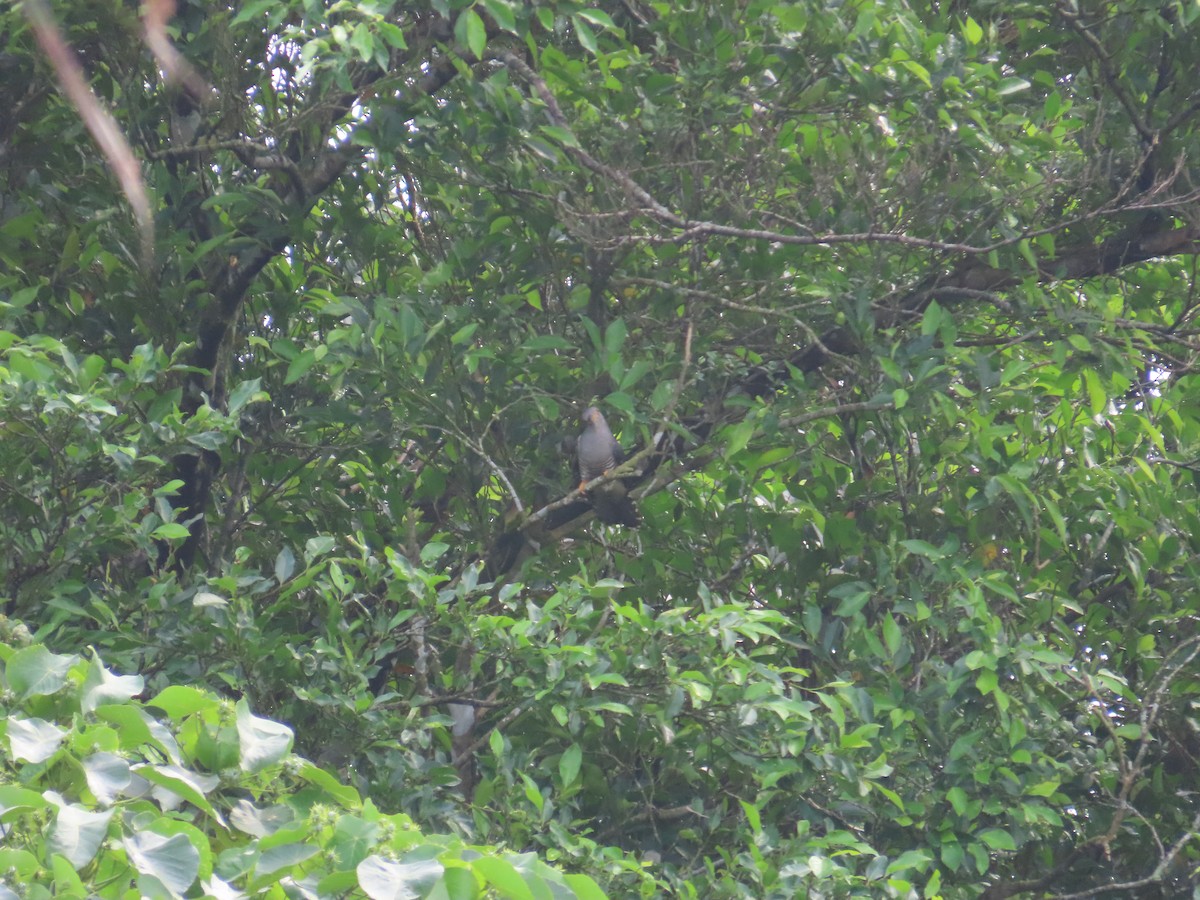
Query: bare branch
{"type": "Point", "coordinates": [99, 121]}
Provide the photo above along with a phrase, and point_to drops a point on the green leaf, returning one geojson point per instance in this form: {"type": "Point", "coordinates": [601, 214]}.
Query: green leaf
{"type": "Point", "coordinates": [33, 740]}
{"type": "Point", "coordinates": [299, 366]}
{"type": "Point", "coordinates": [909, 859]}
{"type": "Point", "coordinates": [186, 784]}
{"type": "Point", "coordinates": [546, 342]}
{"type": "Point", "coordinates": [76, 833]}
{"type": "Point", "coordinates": [245, 393]}
{"type": "Point", "coordinates": [285, 564]}
{"type": "Point", "coordinates": [564, 136]}
{"type": "Point", "coordinates": [568, 765]}
{"type": "Point", "coordinates": [1053, 105]}
{"type": "Point", "coordinates": [108, 775]}
{"type": "Point", "coordinates": [587, 38]}
{"type": "Point", "coordinates": [15, 799]}
{"type": "Point", "coordinates": [35, 670]}
{"type": "Point", "coordinates": [344, 794]}
{"type": "Point", "coordinates": [503, 13]}
{"type": "Point", "coordinates": [952, 855]}
{"type": "Point", "coordinates": [918, 70]}
{"type": "Point", "coordinates": [1097, 396]}
{"type": "Point", "coordinates": [208, 440]}
{"type": "Point", "coordinates": [585, 887]}
{"type": "Point", "coordinates": [1043, 789]}
{"type": "Point", "coordinates": [463, 335]}
{"type": "Point", "coordinates": [496, 744]}
{"type": "Point", "coordinates": [433, 551]}
{"type": "Point", "coordinates": [178, 701]}
{"type": "Point", "coordinates": [386, 879]}
{"type": "Point", "coordinates": [252, 10]}
{"type": "Point", "coordinates": [1012, 85]}
{"type": "Point", "coordinates": [957, 798]}
{"type": "Point", "coordinates": [174, 861]}
{"type": "Point", "coordinates": [470, 32]}
{"type": "Point", "coordinates": [892, 635]}
{"type": "Point", "coordinates": [738, 437]}
{"type": "Point", "coordinates": [931, 320]}
{"type": "Point", "coordinates": [997, 839]}
{"type": "Point", "coordinates": [933, 887]}
{"type": "Point", "coordinates": [533, 793]}
{"type": "Point", "coordinates": [101, 687]}
{"type": "Point", "coordinates": [263, 742]}
{"type": "Point", "coordinates": [852, 605]}
{"type": "Point", "coordinates": [393, 35]}
{"type": "Point", "coordinates": [597, 17]}
{"type": "Point", "coordinates": [1080, 343]}
{"type": "Point", "coordinates": [170, 531]}
{"type": "Point", "coordinates": [204, 599]}
{"type": "Point", "coordinates": [316, 547]}
{"type": "Point", "coordinates": [363, 42]}
{"type": "Point", "coordinates": [501, 875]}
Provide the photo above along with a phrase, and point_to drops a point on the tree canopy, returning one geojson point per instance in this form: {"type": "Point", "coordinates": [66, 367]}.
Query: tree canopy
{"type": "Point", "coordinates": [891, 305]}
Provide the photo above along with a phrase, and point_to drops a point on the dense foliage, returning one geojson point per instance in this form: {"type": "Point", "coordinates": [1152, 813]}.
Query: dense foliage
{"type": "Point", "coordinates": [892, 303]}
{"type": "Point", "coordinates": [282, 822]}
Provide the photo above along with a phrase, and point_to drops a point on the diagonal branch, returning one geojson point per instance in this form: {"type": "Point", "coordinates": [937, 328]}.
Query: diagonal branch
{"type": "Point", "coordinates": [99, 121]}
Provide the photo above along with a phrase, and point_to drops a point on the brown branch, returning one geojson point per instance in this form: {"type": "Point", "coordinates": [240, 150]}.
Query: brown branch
{"type": "Point", "coordinates": [626, 468]}
{"type": "Point", "coordinates": [830, 411]}
{"type": "Point", "coordinates": [230, 282]}
{"type": "Point", "coordinates": [155, 16]}
{"type": "Point", "coordinates": [1131, 771]}
{"type": "Point", "coordinates": [98, 120]}
{"type": "Point", "coordinates": [244, 146]}
{"type": "Point", "coordinates": [1154, 877]}
{"type": "Point", "coordinates": [977, 276]}
{"type": "Point", "coordinates": [439, 701]}
{"type": "Point", "coordinates": [1108, 70]}
{"type": "Point", "coordinates": [974, 279]}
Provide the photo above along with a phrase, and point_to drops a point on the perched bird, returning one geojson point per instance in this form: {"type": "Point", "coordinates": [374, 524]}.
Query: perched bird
{"type": "Point", "coordinates": [598, 452]}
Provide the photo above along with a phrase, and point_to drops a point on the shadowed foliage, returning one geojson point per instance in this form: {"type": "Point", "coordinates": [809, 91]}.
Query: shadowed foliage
{"type": "Point", "coordinates": [891, 306]}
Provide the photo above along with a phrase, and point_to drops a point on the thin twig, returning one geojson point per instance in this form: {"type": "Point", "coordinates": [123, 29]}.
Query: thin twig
{"type": "Point", "coordinates": [830, 411]}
